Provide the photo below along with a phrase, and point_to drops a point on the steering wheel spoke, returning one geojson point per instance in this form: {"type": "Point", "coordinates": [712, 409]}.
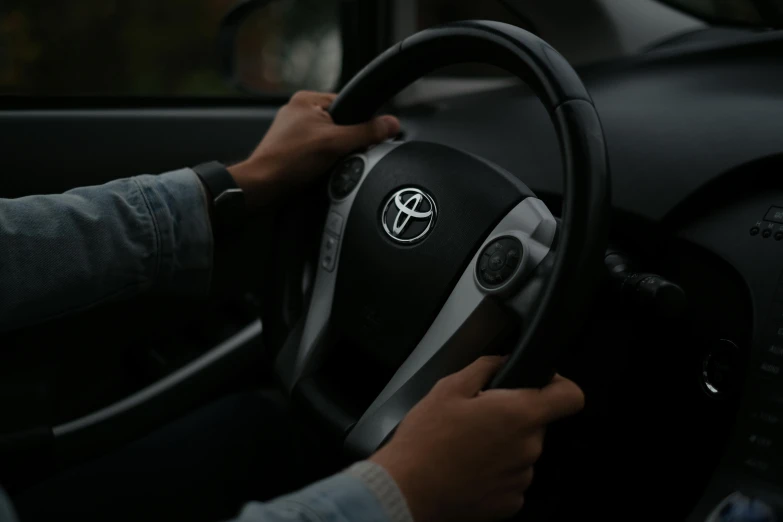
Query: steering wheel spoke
{"type": "Point", "coordinates": [314, 340]}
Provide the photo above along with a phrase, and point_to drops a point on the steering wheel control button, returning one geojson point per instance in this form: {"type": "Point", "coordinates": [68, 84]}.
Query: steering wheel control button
{"type": "Point", "coordinates": [494, 248]}
{"type": "Point", "coordinates": [506, 272]}
{"type": "Point", "coordinates": [774, 214]}
{"type": "Point", "coordinates": [329, 252]}
{"type": "Point", "coordinates": [334, 223]}
{"type": "Point", "coordinates": [741, 508]}
{"type": "Point", "coordinates": [754, 231]}
{"type": "Point", "coordinates": [499, 261]}
{"type": "Point", "coordinates": [328, 262]}
{"type": "Point", "coordinates": [493, 278]}
{"type": "Point", "coordinates": [345, 178]}
{"type": "Point", "coordinates": [767, 232]}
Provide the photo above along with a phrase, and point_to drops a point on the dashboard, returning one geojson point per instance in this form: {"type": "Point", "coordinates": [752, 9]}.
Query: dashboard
{"type": "Point", "coordinates": [694, 129]}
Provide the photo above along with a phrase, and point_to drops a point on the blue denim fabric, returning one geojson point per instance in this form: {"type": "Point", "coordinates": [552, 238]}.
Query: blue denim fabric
{"type": "Point", "coordinates": [65, 253]}
{"type": "Point", "coordinates": [344, 497]}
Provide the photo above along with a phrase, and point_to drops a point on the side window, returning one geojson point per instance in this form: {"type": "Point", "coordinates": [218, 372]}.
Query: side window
{"type": "Point", "coordinates": [162, 47]}
{"type": "Point", "coordinates": [436, 12]}
{"type": "Point", "coordinates": [290, 45]}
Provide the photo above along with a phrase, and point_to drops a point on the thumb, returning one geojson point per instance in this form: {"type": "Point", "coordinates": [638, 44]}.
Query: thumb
{"type": "Point", "coordinates": [353, 137]}
{"type": "Point", "coordinates": [471, 379]}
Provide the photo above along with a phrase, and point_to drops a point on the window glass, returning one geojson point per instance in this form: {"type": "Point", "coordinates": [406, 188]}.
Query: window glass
{"type": "Point", "coordinates": [436, 12]}
{"type": "Point", "coordinates": [158, 47]}
{"type": "Point", "coordinates": [290, 45]}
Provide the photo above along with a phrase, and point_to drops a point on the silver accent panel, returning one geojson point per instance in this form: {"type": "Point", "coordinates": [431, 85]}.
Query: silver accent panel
{"type": "Point", "coordinates": [169, 382]}
{"type": "Point", "coordinates": [320, 309]}
{"type": "Point", "coordinates": [534, 226]}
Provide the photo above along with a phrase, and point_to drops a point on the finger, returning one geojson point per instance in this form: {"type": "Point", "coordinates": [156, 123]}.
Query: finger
{"type": "Point", "coordinates": [353, 137]}
{"type": "Point", "coordinates": [530, 449]}
{"type": "Point", "coordinates": [470, 380]}
{"type": "Point", "coordinates": [320, 99]}
{"type": "Point", "coordinates": [525, 479]}
{"type": "Point", "coordinates": [535, 408]}
{"type": "Point", "coordinates": [560, 398]}
{"type": "Point", "coordinates": [507, 505]}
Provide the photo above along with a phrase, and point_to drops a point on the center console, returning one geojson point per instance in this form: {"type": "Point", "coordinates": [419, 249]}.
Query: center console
{"type": "Point", "coordinates": [747, 483]}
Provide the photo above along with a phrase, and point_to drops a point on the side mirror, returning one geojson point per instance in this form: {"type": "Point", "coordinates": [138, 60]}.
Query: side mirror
{"type": "Point", "coordinates": [276, 47]}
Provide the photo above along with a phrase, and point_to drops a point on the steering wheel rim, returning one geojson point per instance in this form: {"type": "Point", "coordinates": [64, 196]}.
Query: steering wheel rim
{"type": "Point", "coordinates": [582, 235]}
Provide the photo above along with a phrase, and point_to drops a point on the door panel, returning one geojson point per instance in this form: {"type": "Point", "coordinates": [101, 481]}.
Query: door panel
{"type": "Point", "coordinates": [54, 373]}
{"type": "Point", "coordinates": [53, 150]}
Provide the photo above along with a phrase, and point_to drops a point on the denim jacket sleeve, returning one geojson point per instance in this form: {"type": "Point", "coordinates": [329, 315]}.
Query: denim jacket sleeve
{"type": "Point", "coordinates": [68, 252]}
{"type": "Point", "coordinates": [362, 493]}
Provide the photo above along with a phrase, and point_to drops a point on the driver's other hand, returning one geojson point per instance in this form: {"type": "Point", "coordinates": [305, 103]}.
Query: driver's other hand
{"type": "Point", "coordinates": [466, 455]}
{"type": "Point", "coordinates": [302, 144]}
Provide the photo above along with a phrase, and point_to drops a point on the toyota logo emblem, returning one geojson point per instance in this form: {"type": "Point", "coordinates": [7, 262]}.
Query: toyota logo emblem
{"type": "Point", "coordinates": [409, 215]}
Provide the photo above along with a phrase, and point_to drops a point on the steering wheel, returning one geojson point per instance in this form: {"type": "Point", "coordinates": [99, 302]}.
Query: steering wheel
{"type": "Point", "coordinates": [432, 257]}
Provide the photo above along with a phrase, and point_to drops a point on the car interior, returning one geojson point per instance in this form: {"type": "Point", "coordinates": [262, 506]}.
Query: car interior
{"type": "Point", "coordinates": [613, 213]}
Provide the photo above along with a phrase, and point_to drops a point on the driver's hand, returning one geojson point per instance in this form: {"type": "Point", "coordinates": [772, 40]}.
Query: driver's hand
{"type": "Point", "coordinates": [463, 454]}
{"type": "Point", "coordinates": [302, 144]}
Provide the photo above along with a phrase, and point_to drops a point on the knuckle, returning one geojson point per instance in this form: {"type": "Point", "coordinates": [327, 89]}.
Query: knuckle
{"type": "Point", "coordinates": [572, 393]}
{"type": "Point", "coordinates": [443, 385]}
{"type": "Point", "coordinates": [512, 505]}
{"type": "Point", "coordinates": [536, 447]}
{"type": "Point", "coordinates": [579, 397]}
{"type": "Point", "coordinates": [301, 96]}
{"type": "Point", "coordinates": [378, 131]}
{"type": "Point", "coordinates": [490, 361]}
{"type": "Point", "coordinates": [527, 478]}
{"type": "Point", "coordinates": [533, 448]}
{"type": "Point", "coordinates": [330, 142]}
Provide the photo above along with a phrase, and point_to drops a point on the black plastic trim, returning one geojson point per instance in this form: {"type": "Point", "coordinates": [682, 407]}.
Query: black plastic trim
{"type": "Point", "coordinates": [10, 102]}
{"type": "Point", "coordinates": [126, 420]}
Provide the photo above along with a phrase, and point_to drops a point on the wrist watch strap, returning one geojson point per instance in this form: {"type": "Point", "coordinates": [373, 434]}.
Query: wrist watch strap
{"type": "Point", "coordinates": [227, 201]}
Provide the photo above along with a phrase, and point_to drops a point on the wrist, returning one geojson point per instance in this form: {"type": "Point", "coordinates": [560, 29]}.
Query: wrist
{"type": "Point", "coordinates": [404, 476]}
{"type": "Point", "coordinates": [256, 182]}
{"type": "Point", "coordinates": [384, 488]}
{"type": "Point", "coordinates": [225, 199]}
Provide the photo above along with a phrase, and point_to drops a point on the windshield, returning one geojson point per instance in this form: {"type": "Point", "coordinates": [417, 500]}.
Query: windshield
{"type": "Point", "coordinates": [766, 13]}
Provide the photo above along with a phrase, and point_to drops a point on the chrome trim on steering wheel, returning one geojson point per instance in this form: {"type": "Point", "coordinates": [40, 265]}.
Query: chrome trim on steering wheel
{"type": "Point", "coordinates": [326, 275]}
